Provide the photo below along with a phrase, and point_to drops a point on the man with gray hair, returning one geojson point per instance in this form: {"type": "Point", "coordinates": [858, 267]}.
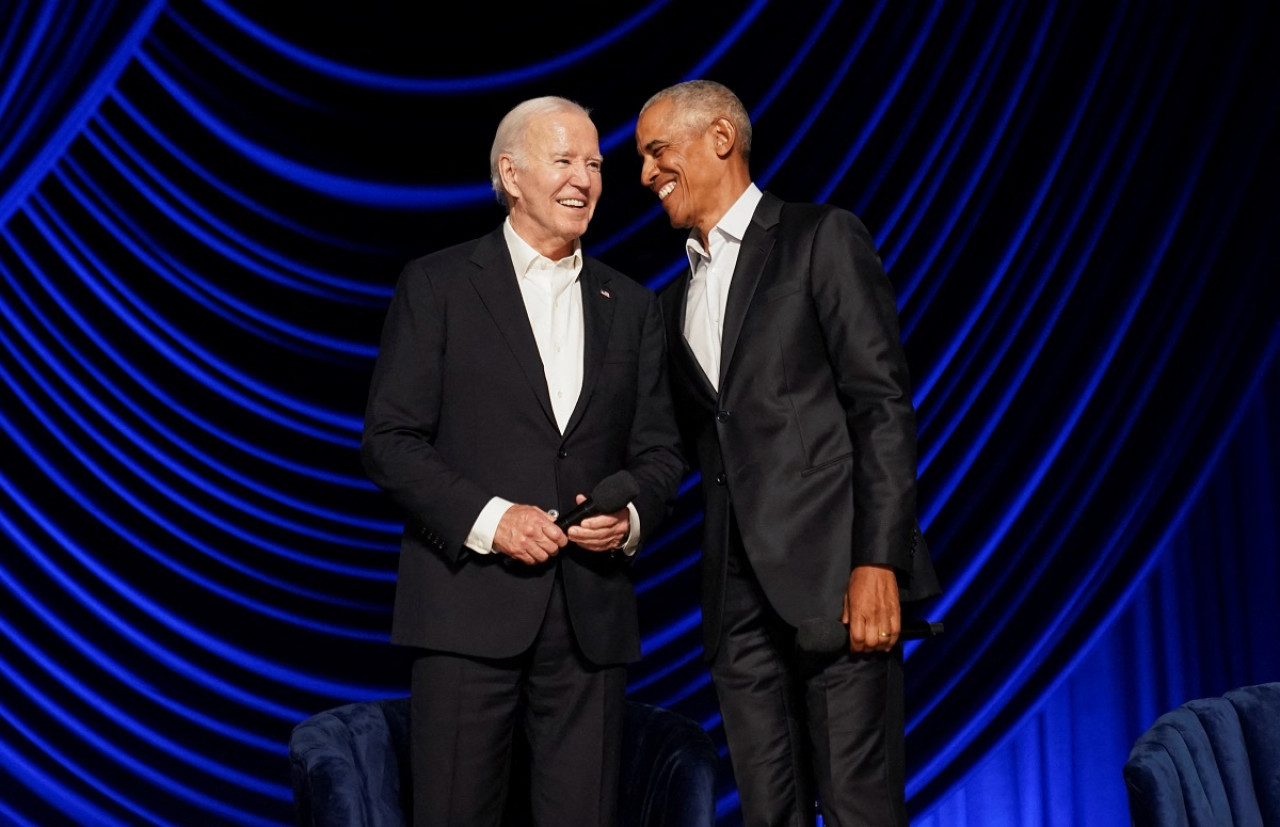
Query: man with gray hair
{"type": "Point", "coordinates": [789, 378]}
{"type": "Point", "coordinates": [515, 373]}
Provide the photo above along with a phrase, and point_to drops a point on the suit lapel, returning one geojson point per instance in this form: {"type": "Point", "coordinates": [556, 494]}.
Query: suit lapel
{"type": "Point", "coordinates": [756, 244]}
{"type": "Point", "coordinates": [597, 319]}
{"type": "Point", "coordinates": [495, 281]}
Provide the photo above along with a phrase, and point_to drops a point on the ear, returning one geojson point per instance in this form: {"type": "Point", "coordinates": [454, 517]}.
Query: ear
{"type": "Point", "coordinates": [507, 174]}
{"type": "Point", "coordinates": [724, 136]}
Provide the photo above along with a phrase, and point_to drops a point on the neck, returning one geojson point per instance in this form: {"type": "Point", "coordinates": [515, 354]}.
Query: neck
{"type": "Point", "coordinates": [553, 248]}
{"type": "Point", "coordinates": [731, 190]}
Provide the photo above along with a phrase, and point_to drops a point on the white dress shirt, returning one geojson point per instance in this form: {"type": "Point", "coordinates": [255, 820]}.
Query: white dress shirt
{"type": "Point", "coordinates": [712, 274]}
{"type": "Point", "coordinates": [553, 299]}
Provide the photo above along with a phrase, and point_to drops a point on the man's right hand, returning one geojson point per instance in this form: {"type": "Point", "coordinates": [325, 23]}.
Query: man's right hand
{"type": "Point", "coordinates": [528, 534]}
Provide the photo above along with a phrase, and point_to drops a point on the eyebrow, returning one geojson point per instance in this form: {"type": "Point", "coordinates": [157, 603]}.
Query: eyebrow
{"type": "Point", "coordinates": [558, 154]}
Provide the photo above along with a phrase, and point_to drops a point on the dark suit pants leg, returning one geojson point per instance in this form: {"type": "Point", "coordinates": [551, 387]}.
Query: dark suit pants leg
{"type": "Point", "coordinates": [464, 716]}
{"type": "Point", "coordinates": [461, 719]}
{"type": "Point", "coordinates": [793, 725]}
{"type": "Point", "coordinates": [573, 721]}
{"type": "Point", "coordinates": [762, 706]}
{"type": "Point", "coordinates": [856, 727]}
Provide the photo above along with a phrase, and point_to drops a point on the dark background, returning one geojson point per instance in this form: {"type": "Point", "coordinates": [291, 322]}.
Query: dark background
{"type": "Point", "coordinates": [203, 209]}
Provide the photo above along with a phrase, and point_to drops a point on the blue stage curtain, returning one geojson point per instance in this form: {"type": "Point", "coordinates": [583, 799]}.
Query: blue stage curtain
{"type": "Point", "coordinates": [1200, 621]}
{"type": "Point", "coordinates": [204, 205]}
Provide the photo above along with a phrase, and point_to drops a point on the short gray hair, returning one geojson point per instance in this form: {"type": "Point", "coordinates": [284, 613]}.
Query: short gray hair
{"type": "Point", "coordinates": [514, 129]}
{"type": "Point", "coordinates": [699, 102]}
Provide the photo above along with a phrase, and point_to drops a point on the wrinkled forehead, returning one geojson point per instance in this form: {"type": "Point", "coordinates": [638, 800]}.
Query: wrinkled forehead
{"type": "Point", "coordinates": [563, 133]}
{"type": "Point", "coordinates": [664, 123]}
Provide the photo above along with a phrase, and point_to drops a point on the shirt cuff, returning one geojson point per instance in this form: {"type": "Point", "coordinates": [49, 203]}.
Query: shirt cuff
{"type": "Point", "coordinates": [632, 542]}
{"type": "Point", "coordinates": [480, 540]}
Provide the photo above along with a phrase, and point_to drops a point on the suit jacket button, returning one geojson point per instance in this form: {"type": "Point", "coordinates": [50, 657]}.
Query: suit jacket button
{"type": "Point", "coordinates": [722, 416]}
{"type": "Point", "coordinates": [721, 479]}
{"type": "Point", "coordinates": [562, 453]}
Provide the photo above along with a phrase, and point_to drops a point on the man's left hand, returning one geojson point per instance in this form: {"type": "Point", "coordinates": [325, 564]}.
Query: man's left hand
{"type": "Point", "coordinates": [601, 532]}
{"type": "Point", "coordinates": [871, 609]}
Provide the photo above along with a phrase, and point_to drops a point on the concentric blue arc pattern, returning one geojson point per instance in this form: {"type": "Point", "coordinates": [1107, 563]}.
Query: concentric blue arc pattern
{"type": "Point", "coordinates": [204, 205]}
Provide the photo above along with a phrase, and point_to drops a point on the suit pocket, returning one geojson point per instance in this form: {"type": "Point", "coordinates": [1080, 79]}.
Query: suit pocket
{"type": "Point", "coordinates": [780, 291]}
{"type": "Point", "coordinates": [813, 469]}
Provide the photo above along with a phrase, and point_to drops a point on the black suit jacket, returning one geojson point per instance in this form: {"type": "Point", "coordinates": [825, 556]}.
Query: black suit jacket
{"type": "Point", "coordinates": [811, 438]}
{"type": "Point", "coordinates": [459, 412]}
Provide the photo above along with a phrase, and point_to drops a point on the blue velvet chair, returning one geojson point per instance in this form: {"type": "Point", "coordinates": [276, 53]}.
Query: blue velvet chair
{"type": "Point", "coordinates": [1212, 762]}
{"type": "Point", "coordinates": [349, 767]}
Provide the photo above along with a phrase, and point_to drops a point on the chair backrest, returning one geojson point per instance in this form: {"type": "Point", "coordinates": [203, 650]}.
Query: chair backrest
{"type": "Point", "coordinates": [350, 766]}
{"type": "Point", "coordinates": [347, 765]}
{"type": "Point", "coordinates": [668, 774]}
{"type": "Point", "coordinates": [1212, 761]}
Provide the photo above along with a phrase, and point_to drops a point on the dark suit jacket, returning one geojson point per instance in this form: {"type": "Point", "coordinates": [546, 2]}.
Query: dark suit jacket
{"type": "Point", "coordinates": [811, 439]}
{"type": "Point", "coordinates": [459, 412]}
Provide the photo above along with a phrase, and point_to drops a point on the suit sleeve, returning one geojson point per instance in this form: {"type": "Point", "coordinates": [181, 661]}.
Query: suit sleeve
{"type": "Point", "coordinates": [653, 453]}
{"type": "Point", "coordinates": [859, 316]}
{"type": "Point", "coordinates": [403, 414]}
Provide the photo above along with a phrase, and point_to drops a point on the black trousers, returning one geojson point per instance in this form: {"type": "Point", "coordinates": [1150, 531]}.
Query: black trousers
{"type": "Point", "coordinates": [800, 728]}
{"type": "Point", "coordinates": [466, 718]}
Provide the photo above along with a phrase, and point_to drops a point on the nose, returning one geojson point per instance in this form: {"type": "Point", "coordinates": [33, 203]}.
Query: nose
{"type": "Point", "coordinates": [648, 171]}
{"type": "Point", "coordinates": [581, 175]}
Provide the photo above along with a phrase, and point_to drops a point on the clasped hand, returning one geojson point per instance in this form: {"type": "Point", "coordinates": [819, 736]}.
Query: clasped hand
{"type": "Point", "coordinates": [601, 532]}
{"type": "Point", "coordinates": [529, 534]}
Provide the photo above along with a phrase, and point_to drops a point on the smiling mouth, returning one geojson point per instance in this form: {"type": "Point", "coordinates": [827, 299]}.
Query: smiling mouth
{"type": "Point", "coordinates": [665, 191]}
{"type": "Point", "coordinates": [572, 202]}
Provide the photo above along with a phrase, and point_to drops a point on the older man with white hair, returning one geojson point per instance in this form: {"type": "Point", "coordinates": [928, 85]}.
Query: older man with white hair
{"type": "Point", "coordinates": [516, 373]}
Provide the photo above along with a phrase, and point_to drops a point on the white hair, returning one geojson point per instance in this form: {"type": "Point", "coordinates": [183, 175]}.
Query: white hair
{"type": "Point", "coordinates": [513, 131]}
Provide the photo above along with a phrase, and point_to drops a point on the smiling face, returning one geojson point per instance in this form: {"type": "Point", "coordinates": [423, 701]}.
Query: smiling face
{"type": "Point", "coordinates": [554, 184]}
{"type": "Point", "coordinates": [685, 165]}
